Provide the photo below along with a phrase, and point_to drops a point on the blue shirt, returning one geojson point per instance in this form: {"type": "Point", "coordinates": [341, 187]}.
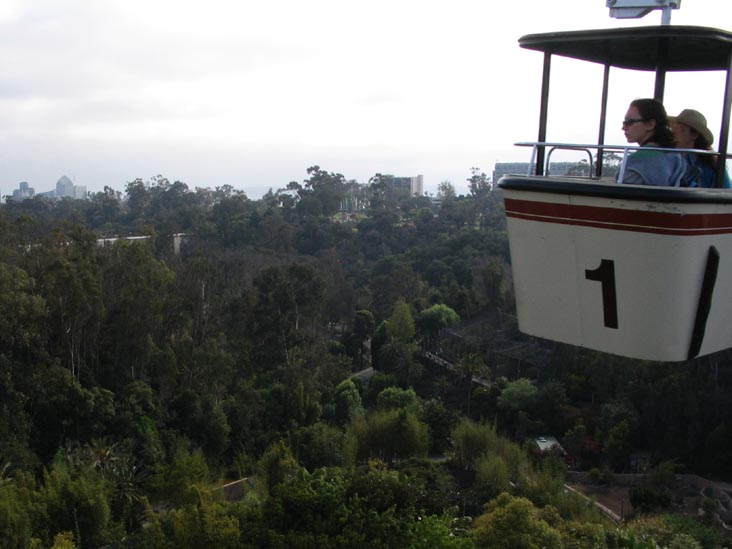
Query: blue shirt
{"type": "Point", "coordinates": [707, 178]}
{"type": "Point", "coordinates": [660, 168]}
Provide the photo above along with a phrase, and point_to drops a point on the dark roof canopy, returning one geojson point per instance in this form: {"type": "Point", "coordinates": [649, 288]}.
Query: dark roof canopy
{"type": "Point", "coordinates": [682, 48]}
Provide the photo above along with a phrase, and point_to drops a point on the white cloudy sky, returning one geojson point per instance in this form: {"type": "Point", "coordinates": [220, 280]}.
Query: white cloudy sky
{"type": "Point", "coordinates": [250, 93]}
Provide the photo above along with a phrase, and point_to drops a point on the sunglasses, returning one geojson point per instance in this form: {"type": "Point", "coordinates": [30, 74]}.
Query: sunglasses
{"type": "Point", "coordinates": [630, 121]}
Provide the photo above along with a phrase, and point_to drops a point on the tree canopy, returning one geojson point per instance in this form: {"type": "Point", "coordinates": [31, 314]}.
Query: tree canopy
{"type": "Point", "coordinates": [332, 364]}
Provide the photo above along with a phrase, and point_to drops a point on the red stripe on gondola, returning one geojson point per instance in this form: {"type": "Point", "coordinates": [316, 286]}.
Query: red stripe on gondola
{"type": "Point", "coordinates": [620, 219]}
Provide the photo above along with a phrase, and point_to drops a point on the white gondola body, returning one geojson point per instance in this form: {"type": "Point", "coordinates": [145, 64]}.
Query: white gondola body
{"type": "Point", "coordinates": [659, 254]}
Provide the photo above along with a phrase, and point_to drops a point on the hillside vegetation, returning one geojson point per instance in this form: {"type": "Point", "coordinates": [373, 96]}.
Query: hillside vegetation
{"type": "Point", "coordinates": [135, 382]}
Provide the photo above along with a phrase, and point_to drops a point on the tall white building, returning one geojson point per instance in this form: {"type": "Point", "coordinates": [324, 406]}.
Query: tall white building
{"type": "Point", "coordinates": [64, 187]}
{"type": "Point", "coordinates": [411, 185]}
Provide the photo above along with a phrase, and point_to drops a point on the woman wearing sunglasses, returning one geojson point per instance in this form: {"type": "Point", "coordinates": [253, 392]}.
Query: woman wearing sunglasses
{"type": "Point", "coordinates": [646, 124]}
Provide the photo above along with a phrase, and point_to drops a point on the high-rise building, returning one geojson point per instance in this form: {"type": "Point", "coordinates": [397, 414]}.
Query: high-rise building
{"type": "Point", "coordinates": [64, 187]}
{"type": "Point", "coordinates": [413, 186]}
{"type": "Point", "coordinates": [23, 191]}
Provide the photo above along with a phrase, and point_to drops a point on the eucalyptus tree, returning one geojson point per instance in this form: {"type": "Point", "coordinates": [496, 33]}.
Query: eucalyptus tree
{"type": "Point", "coordinates": [288, 301]}
{"type": "Point", "coordinates": [135, 292]}
{"type": "Point", "coordinates": [70, 282]}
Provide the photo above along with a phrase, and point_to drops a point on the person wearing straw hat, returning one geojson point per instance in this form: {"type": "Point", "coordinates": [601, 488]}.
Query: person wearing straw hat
{"type": "Point", "coordinates": [691, 132]}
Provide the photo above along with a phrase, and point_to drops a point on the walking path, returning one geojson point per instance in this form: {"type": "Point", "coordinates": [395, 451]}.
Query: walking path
{"type": "Point", "coordinates": [608, 512]}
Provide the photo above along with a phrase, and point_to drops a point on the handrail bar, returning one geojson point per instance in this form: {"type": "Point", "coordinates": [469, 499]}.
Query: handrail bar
{"type": "Point", "coordinates": [625, 149]}
{"type": "Point", "coordinates": [549, 155]}
{"type": "Point", "coordinates": [582, 146]}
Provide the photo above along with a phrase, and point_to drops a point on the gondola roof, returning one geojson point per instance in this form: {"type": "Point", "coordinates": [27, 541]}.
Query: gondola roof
{"type": "Point", "coordinates": [677, 48]}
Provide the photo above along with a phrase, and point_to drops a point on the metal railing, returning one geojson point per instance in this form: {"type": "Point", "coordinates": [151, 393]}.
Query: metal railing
{"type": "Point", "coordinates": [588, 148]}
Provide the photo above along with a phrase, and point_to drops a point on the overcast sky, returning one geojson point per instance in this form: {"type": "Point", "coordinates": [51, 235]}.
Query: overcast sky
{"type": "Point", "coordinates": [251, 93]}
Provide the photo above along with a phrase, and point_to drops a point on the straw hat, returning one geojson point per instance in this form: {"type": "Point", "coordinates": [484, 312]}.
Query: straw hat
{"type": "Point", "coordinates": [697, 122]}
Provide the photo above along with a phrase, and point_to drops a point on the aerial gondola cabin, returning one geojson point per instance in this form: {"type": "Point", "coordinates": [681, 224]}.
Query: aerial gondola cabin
{"type": "Point", "coordinates": [638, 271]}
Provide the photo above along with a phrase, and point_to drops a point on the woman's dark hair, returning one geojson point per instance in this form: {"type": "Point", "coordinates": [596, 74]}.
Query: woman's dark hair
{"type": "Point", "coordinates": [702, 144]}
{"type": "Point", "coordinates": [652, 109]}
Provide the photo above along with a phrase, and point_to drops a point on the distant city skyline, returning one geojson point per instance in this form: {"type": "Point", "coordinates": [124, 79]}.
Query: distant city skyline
{"type": "Point", "coordinates": [64, 188]}
{"type": "Point", "coordinates": [414, 185]}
